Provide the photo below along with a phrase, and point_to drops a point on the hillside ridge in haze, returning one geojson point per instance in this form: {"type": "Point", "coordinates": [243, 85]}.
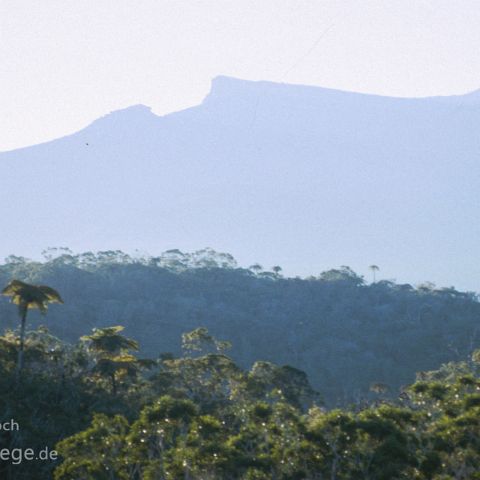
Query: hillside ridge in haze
{"type": "Point", "coordinates": [343, 332]}
{"type": "Point", "coordinates": [302, 176]}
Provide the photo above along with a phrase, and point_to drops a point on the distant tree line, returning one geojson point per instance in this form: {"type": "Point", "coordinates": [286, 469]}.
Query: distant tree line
{"type": "Point", "coordinates": [345, 333]}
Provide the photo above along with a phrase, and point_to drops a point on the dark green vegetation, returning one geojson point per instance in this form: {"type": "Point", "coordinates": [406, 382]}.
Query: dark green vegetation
{"type": "Point", "coordinates": [345, 334]}
{"type": "Point", "coordinates": [28, 297]}
{"type": "Point", "coordinates": [211, 410]}
{"type": "Point", "coordinates": [113, 416]}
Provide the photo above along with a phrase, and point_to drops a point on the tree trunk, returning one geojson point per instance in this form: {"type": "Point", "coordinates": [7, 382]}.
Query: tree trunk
{"type": "Point", "coordinates": [22, 343]}
{"type": "Point", "coordinates": [114, 383]}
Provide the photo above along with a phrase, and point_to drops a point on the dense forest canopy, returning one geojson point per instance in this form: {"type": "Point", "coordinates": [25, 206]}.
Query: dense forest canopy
{"type": "Point", "coordinates": [108, 414]}
{"type": "Point", "coordinates": [345, 333]}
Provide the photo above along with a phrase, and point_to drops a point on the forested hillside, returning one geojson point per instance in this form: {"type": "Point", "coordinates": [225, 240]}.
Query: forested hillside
{"type": "Point", "coordinates": [104, 413]}
{"type": "Point", "coordinates": [345, 333]}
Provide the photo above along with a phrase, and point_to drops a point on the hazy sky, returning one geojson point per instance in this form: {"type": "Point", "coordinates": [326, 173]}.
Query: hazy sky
{"type": "Point", "coordinates": [67, 62]}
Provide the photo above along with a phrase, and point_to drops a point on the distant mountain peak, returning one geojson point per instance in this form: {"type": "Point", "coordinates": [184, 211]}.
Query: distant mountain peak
{"type": "Point", "coordinates": [474, 95]}
{"type": "Point", "coordinates": [131, 112]}
{"type": "Point", "coordinates": [124, 119]}
{"type": "Point", "coordinates": [224, 85]}
{"type": "Point", "coordinates": [316, 176]}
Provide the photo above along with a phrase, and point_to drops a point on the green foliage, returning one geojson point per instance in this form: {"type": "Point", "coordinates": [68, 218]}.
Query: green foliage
{"type": "Point", "coordinates": [345, 334]}
{"type": "Point", "coordinates": [201, 415]}
{"type": "Point", "coordinates": [199, 341]}
{"type": "Point", "coordinates": [108, 341]}
{"type": "Point", "coordinates": [204, 417]}
{"type": "Point", "coordinates": [27, 297]}
{"type": "Point", "coordinates": [31, 296]}
{"type": "Point", "coordinates": [111, 353]}
{"type": "Point", "coordinates": [96, 452]}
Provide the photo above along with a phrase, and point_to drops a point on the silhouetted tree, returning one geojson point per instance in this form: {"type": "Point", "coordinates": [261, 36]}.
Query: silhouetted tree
{"type": "Point", "coordinates": [27, 297]}
{"type": "Point", "coordinates": [111, 351]}
{"type": "Point", "coordinates": [374, 269]}
{"type": "Point", "coordinates": [277, 269]}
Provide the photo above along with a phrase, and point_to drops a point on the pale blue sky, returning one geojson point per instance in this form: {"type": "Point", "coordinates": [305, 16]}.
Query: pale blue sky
{"type": "Point", "coordinates": [67, 62]}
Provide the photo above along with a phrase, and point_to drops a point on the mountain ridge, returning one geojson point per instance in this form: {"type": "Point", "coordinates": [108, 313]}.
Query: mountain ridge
{"type": "Point", "coordinates": [221, 88]}
{"type": "Point", "coordinates": [269, 173]}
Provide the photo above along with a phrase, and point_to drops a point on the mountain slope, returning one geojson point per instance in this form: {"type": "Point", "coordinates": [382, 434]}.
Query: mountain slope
{"type": "Point", "coordinates": [345, 334]}
{"type": "Point", "coordinates": [302, 176]}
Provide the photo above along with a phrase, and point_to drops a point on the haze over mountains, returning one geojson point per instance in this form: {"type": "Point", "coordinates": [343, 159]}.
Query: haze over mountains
{"type": "Point", "coordinates": [305, 177]}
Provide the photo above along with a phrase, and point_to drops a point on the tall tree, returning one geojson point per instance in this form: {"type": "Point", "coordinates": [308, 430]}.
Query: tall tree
{"type": "Point", "coordinates": [374, 269]}
{"type": "Point", "coordinates": [276, 270]}
{"type": "Point", "coordinates": [27, 297]}
{"type": "Point", "coordinates": [112, 353]}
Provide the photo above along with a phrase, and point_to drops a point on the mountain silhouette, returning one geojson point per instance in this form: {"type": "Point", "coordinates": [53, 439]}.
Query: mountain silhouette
{"type": "Point", "coordinates": [304, 177]}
